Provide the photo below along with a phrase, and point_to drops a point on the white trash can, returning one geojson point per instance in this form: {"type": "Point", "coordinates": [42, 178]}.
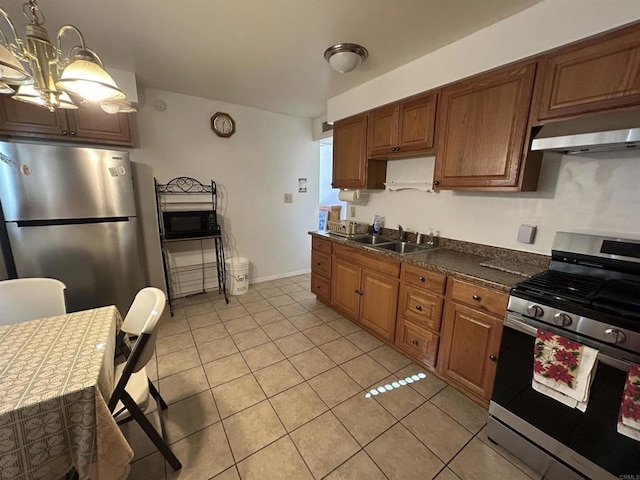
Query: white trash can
{"type": "Point", "coordinates": [237, 275]}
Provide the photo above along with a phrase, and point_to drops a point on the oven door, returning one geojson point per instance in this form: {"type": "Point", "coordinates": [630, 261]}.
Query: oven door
{"type": "Point", "coordinates": [585, 442]}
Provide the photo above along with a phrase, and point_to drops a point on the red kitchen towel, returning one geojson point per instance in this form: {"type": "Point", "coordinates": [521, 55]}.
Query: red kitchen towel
{"type": "Point", "coordinates": [563, 369]}
{"type": "Point", "coordinates": [629, 419]}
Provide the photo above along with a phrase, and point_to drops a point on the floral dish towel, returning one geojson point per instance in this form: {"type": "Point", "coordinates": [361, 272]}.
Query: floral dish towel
{"type": "Point", "coordinates": [563, 369]}
{"type": "Point", "coordinates": [629, 419]}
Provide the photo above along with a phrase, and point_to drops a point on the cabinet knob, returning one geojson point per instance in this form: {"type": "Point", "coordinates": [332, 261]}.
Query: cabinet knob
{"type": "Point", "coordinates": [318, 263]}
{"type": "Point", "coordinates": [422, 279]}
{"type": "Point", "coordinates": [72, 133]}
{"type": "Point", "coordinates": [415, 342]}
{"type": "Point", "coordinates": [476, 298]}
{"type": "Point", "coordinates": [493, 358]}
{"type": "Point", "coordinates": [436, 182]}
{"type": "Point", "coordinates": [359, 292]}
{"type": "Point", "coordinates": [419, 308]}
{"type": "Point", "coordinates": [64, 132]}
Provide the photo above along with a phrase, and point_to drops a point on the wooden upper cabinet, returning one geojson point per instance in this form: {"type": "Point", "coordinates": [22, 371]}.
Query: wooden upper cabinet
{"type": "Point", "coordinates": [30, 120]}
{"type": "Point", "coordinates": [596, 75]}
{"type": "Point", "coordinates": [482, 128]}
{"type": "Point", "coordinates": [383, 130]}
{"type": "Point", "coordinates": [351, 168]}
{"type": "Point", "coordinates": [86, 125]}
{"type": "Point", "coordinates": [95, 124]}
{"type": "Point", "coordinates": [403, 129]}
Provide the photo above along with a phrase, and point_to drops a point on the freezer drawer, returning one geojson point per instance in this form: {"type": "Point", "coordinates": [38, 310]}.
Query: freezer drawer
{"type": "Point", "coordinates": [98, 262]}
{"type": "Point", "coordinates": [40, 182]}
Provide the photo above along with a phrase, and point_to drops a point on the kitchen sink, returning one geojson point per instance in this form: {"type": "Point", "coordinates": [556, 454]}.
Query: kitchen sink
{"type": "Point", "coordinates": [404, 248]}
{"type": "Point", "coordinates": [373, 240]}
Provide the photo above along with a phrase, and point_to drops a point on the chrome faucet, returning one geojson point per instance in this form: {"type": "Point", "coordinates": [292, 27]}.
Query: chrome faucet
{"type": "Point", "coordinates": [402, 233]}
{"type": "Point", "coordinates": [430, 238]}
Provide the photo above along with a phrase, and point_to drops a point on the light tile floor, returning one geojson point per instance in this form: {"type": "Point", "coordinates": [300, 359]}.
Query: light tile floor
{"type": "Point", "coordinates": [273, 385]}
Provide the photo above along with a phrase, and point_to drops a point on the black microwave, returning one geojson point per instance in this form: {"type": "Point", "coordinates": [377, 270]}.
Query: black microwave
{"type": "Point", "coordinates": [190, 224]}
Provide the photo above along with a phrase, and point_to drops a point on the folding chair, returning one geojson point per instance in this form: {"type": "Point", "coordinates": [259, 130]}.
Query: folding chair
{"type": "Point", "coordinates": [30, 298]}
{"type": "Point", "coordinates": [130, 396]}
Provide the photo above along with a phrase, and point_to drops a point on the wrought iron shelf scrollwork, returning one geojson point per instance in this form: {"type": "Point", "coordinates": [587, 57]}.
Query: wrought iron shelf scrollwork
{"type": "Point", "coordinates": [185, 185]}
{"type": "Point", "coordinates": [190, 186]}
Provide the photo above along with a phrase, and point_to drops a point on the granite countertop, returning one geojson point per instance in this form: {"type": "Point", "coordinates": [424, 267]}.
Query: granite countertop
{"type": "Point", "coordinates": [457, 264]}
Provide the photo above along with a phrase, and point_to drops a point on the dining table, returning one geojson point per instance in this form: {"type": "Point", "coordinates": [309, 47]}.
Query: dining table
{"type": "Point", "coordinates": [56, 377]}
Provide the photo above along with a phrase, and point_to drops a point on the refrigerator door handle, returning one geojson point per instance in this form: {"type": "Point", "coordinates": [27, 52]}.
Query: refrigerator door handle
{"type": "Point", "coordinates": [69, 221]}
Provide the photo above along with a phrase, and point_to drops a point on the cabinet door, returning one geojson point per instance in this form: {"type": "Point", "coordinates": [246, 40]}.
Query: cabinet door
{"type": "Point", "coordinates": [20, 119]}
{"type": "Point", "coordinates": [100, 127]}
{"type": "Point", "coordinates": [350, 152]}
{"type": "Point", "coordinates": [383, 131]}
{"type": "Point", "coordinates": [470, 343]}
{"type": "Point", "coordinates": [345, 288]}
{"type": "Point", "coordinates": [482, 126]}
{"type": "Point", "coordinates": [596, 75]}
{"type": "Point", "coordinates": [417, 124]}
{"type": "Point", "coordinates": [379, 303]}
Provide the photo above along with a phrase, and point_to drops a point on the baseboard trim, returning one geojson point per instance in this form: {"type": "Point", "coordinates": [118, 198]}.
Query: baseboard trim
{"type": "Point", "coordinates": [281, 275]}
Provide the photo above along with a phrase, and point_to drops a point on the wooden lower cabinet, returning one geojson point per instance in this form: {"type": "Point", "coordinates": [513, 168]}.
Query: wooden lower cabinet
{"type": "Point", "coordinates": [378, 305]}
{"type": "Point", "coordinates": [417, 341]}
{"type": "Point", "coordinates": [469, 347]}
{"type": "Point", "coordinates": [321, 268]}
{"type": "Point", "coordinates": [321, 287]}
{"type": "Point", "coordinates": [365, 296]}
{"type": "Point", "coordinates": [345, 285]}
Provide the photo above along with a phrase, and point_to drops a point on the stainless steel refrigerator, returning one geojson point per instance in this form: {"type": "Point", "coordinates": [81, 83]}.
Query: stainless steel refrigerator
{"type": "Point", "coordinates": [69, 213]}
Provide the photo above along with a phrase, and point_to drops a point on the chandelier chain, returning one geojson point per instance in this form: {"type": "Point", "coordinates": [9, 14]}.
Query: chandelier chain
{"type": "Point", "coordinates": [33, 13]}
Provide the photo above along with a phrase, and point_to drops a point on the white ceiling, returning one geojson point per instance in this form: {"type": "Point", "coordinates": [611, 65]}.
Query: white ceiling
{"type": "Point", "coordinates": [266, 54]}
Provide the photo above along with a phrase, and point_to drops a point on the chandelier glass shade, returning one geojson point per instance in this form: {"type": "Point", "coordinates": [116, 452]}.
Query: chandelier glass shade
{"type": "Point", "coordinates": [52, 79]}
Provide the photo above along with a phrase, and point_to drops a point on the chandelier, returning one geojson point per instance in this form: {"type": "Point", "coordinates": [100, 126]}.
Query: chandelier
{"type": "Point", "coordinates": [52, 79]}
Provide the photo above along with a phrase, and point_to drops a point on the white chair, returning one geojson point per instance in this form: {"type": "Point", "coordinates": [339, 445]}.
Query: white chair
{"type": "Point", "coordinates": [146, 300]}
{"type": "Point", "coordinates": [30, 298]}
{"type": "Point", "coordinates": [130, 396]}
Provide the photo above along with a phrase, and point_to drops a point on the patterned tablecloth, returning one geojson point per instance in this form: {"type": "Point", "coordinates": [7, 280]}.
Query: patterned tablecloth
{"type": "Point", "coordinates": [56, 376]}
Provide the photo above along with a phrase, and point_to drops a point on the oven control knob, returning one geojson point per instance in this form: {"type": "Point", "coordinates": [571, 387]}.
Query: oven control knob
{"type": "Point", "coordinates": [535, 311]}
{"type": "Point", "coordinates": [562, 319]}
{"type": "Point", "coordinates": [615, 336]}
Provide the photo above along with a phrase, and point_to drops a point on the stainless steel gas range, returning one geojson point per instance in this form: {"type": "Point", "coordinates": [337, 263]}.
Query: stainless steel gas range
{"type": "Point", "coordinates": [589, 294]}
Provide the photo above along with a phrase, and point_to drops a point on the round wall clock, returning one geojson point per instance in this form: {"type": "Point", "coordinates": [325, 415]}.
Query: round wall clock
{"type": "Point", "coordinates": [223, 125]}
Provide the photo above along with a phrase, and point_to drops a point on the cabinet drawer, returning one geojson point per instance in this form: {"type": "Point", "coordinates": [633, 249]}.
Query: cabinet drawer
{"type": "Point", "coordinates": [422, 278]}
{"type": "Point", "coordinates": [421, 307]}
{"type": "Point", "coordinates": [418, 342]}
{"type": "Point", "coordinates": [321, 263]}
{"type": "Point", "coordinates": [371, 261]}
{"type": "Point", "coordinates": [479, 297]}
{"type": "Point", "coordinates": [321, 287]}
{"type": "Point", "coordinates": [321, 245]}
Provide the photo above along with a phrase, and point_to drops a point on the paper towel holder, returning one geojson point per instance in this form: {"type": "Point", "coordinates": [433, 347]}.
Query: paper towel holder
{"type": "Point", "coordinates": [353, 196]}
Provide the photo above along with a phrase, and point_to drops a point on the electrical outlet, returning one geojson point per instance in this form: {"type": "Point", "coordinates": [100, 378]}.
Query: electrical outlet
{"type": "Point", "coordinates": [352, 211]}
{"type": "Point", "coordinates": [288, 198]}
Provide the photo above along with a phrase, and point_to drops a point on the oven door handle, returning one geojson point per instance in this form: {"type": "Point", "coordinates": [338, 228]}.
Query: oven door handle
{"type": "Point", "coordinates": [517, 323]}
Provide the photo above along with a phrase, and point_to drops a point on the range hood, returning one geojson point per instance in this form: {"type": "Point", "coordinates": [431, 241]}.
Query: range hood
{"type": "Point", "coordinates": [600, 133]}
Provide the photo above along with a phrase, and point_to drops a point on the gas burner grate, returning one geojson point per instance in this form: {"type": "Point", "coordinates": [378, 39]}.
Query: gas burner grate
{"type": "Point", "coordinates": [563, 285]}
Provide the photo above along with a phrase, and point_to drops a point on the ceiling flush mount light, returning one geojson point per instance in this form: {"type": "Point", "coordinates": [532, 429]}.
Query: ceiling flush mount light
{"type": "Point", "coordinates": [52, 75]}
{"type": "Point", "coordinates": [345, 57]}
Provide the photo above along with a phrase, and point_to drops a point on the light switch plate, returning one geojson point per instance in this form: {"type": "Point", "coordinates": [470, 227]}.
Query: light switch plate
{"type": "Point", "coordinates": [527, 233]}
{"type": "Point", "coordinates": [288, 198]}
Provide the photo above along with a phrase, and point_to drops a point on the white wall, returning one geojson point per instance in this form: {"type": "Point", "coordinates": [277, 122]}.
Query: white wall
{"type": "Point", "coordinates": [253, 169]}
{"type": "Point", "coordinates": [598, 193]}
{"type": "Point", "coordinates": [542, 27]}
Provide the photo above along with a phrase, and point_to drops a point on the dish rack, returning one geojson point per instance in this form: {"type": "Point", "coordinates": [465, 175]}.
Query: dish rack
{"type": "Point", "coordinates": [348, 228]}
